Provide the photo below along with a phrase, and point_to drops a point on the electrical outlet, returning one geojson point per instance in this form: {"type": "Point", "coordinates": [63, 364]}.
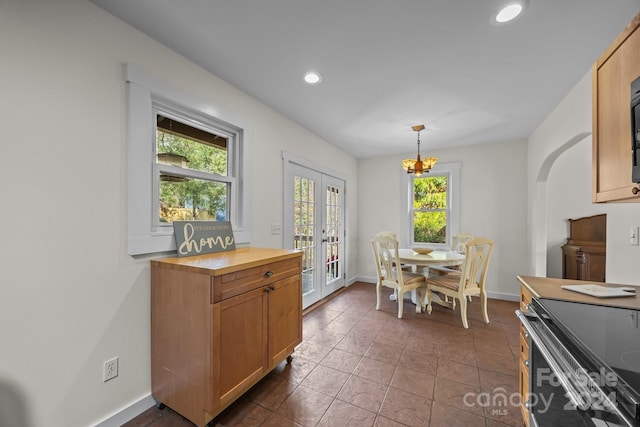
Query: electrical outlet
{"type": "Point", "coordinates": [110, 369]}
{"type": "Point", "coordinates": [276, 229]}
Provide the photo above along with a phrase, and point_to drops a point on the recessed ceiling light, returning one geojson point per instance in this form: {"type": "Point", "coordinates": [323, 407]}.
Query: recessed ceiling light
{"type": "Point", "coordinates": [312, 77]}
{"type": "Point", "coordinates": [509, 12]}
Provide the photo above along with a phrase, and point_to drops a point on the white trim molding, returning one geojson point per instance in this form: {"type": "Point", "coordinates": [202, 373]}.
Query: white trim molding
{"type": "Point", "coordinates": [146, 93]}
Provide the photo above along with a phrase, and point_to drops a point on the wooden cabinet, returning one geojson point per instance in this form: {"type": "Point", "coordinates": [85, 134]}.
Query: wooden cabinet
{"type": "Point", "coordinates": [525, 299]}
{"type": "Point", "coordinates": [584, 256]}
{"type": "Point", "coordinates": [612, 75]}
{"type": "Point", "coordinates": [220, 323]}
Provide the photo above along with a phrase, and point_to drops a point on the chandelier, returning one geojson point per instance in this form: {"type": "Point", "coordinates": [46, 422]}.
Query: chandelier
{"type": "Point", "coordinates": [418, 166]}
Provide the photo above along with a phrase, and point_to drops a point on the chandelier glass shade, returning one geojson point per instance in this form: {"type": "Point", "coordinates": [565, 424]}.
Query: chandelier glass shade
{"type": "Point", "coordinates": [418, 166]}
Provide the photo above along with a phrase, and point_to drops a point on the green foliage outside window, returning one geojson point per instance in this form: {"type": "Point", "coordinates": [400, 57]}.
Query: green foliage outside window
{"type": "Point", "coordinates": [183, 198]}
{"type": "Point", "coordinates": [430, 209]}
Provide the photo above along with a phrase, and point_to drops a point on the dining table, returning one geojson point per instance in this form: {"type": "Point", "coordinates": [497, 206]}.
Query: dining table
{"type": "Point", "coordinates": [445, 258]}
{"type": "Point", "coordinates": [421, 263]}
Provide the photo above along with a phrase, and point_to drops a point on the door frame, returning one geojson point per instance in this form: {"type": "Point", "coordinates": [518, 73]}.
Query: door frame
{"type": "Point", "coordinates": [289, 160]}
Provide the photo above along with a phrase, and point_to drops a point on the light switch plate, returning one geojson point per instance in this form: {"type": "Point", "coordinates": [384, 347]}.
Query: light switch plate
{"type": "Point", "coordinates": [633, 236]}
{"type": "Point", "coordinates": [276, 229]}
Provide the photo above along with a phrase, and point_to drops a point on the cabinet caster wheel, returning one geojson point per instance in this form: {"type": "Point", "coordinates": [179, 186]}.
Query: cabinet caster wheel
{"type": "Point", "coordinates": [161, 405]}
{"type": "Point", "coordinates": [289, 359]}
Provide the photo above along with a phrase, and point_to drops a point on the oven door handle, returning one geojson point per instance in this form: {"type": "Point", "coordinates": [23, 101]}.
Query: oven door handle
{"type": "Point", "coordinates": [572, 393]}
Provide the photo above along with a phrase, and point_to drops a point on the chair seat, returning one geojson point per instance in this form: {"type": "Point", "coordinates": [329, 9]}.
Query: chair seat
{"type": "Point", "coordinates": [413, 278]}
{"type": "Point", "coordinates": [452, 283]}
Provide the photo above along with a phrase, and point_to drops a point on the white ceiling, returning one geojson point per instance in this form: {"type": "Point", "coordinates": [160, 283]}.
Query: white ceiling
{"type": "Point", "coordinates": [390, 64]}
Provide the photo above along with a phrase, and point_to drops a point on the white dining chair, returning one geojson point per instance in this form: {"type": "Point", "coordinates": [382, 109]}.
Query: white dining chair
{"type": "Point", "coordinates": [470, 281]}
{"type": "Point", "coordinates": [385, 254]}
{"type": "Point", "coordinates": [458, 244]}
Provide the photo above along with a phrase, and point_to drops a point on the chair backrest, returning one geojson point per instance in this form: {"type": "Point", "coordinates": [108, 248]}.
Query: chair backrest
{"type": "Point", "coordinates": [385, 253]}
{"type": "Point", "coordinates": [476, 263]}
{"type": "Point", "coordinates": [459, 241]}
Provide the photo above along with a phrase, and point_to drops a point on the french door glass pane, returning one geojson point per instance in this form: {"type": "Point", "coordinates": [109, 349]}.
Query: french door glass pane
{"type": "Point", "coordinates": [303, 226]}
{"type": "Point", "coordinates": [332, 228]}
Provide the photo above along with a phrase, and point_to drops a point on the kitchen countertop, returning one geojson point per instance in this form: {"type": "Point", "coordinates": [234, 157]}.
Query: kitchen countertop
{"type": "Point", "coordinates": [545, 287]}
{"type": "Point", "coordinates": [219, 263]}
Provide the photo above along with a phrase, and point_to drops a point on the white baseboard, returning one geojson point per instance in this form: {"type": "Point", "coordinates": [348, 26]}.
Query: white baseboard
{"type": "Point", "coordinates": [503, 296]}
{"type": "Point", "coordinates": [363, 279]}
{"type": "Point", "coordinates": [128, 413]}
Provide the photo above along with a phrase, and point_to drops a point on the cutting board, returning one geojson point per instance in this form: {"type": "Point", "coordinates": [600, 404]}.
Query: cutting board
{"type": "Point", "coordinates": [600, 291]}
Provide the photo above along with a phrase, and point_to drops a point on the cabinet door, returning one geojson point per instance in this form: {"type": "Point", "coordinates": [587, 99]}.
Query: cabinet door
{"type": "Point", "coordinates": [612, 76]}
{"type": "Point", "coordinates": [285, 319]}
{"type": "Point", "coordinates": [239, 342]}
{"type": "Point", "coordinates": [595, 265]}
{"type": "Point", "coordinates": [570, 268]}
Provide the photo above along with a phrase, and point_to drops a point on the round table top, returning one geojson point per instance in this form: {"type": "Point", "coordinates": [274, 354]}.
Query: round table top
{"type": "Point", "coordinates": [408, 256]}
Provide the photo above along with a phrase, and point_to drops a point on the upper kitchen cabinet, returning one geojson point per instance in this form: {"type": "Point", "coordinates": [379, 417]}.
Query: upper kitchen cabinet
{"type": "Point", "coordinates": [613, 73]}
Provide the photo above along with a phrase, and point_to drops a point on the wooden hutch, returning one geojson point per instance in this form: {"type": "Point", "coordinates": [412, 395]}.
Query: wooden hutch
{"type": "Point", "coordinates": [584, 256]}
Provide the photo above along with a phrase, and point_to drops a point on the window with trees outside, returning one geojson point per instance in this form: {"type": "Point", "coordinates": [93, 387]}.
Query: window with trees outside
{"type": "Point", "coordinates": [191, 168]}
{"type": "Point", "coordinates": [433, 206]}
{"type": "Point", "coordinates": [187, 160]}
{"type": "Point", "coordinates": [430, 209]}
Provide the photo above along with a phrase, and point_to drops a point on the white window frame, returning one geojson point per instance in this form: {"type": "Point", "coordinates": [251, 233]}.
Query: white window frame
{"type": "Point", "coordinates": [452, 170]}
{"type": "Point", "coordinates": [147, 97]}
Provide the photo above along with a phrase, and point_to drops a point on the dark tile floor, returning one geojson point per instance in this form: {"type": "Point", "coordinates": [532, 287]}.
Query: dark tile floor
{"type": "Point", "coordinates": [362, 367]}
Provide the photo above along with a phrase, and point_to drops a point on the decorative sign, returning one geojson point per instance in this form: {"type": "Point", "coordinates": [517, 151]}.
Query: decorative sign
{"type": "Point", "coordinates": [203, 237]}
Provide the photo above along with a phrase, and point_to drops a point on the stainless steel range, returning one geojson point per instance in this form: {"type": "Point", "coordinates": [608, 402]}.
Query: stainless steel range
{"type": "Point", "coordinates": [584, 364]}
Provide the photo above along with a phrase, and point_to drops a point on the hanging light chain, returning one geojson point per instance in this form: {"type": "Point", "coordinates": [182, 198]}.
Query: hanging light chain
{"type": "Point", "coordinates": [417, 165]}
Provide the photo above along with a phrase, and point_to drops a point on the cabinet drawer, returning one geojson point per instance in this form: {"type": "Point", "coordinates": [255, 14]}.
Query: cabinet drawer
{"type": "Point", "coordinates": [524, 345]}
{"type": "Point", "coordinates": [236, 283]}
{"type": "Point", "coordinates": [525, 298]}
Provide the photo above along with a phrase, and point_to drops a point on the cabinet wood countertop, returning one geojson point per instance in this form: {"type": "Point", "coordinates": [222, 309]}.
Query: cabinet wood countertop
{"type": "Point", "coordinates": [545, 287]}
{"type": "Point", "coordinates": [219, 263]}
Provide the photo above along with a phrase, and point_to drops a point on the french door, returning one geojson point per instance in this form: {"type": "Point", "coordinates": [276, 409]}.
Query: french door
{"type": "Point", "coordinates": [314, 224]}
